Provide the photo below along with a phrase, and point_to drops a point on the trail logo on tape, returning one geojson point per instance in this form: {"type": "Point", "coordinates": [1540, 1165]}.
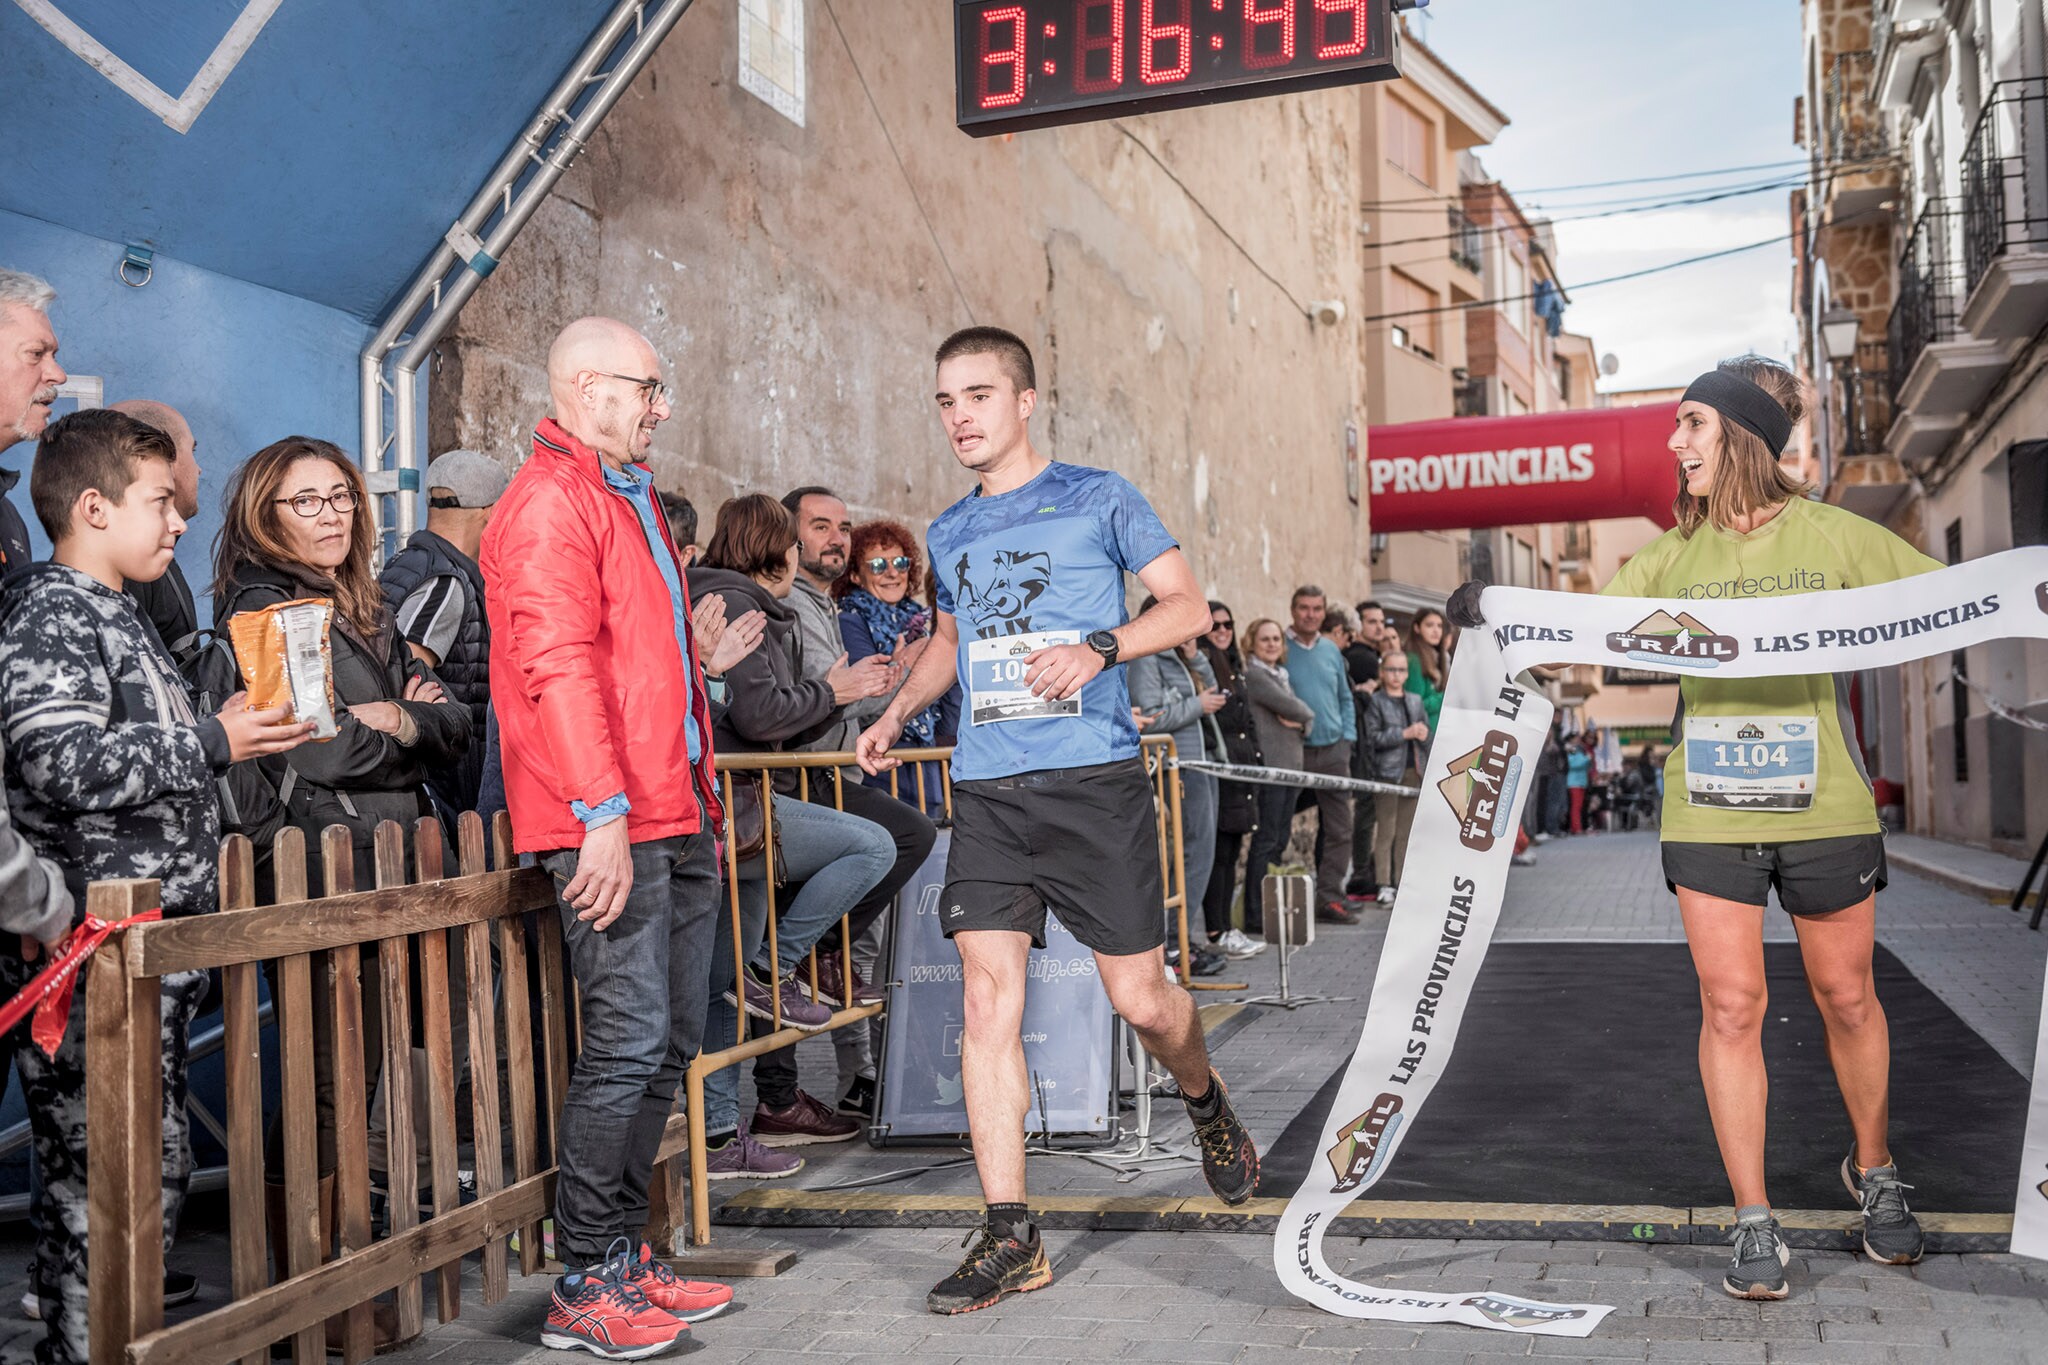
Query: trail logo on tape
{"type": "Point", "coordinates": [1481, 789]}
{"type": "Point", "coordinates": [1682, 641]}
{"type": "Point", "coordinates": [1358, 1143]}
{"type": "Point", "coordinates": [1519, 1312]}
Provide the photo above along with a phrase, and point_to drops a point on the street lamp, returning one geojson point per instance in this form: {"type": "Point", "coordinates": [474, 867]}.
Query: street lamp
{"type": "Point", "coordinates": [1839, 328]}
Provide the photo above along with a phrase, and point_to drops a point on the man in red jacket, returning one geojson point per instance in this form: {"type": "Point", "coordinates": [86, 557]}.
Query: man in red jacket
{"type": "Point", "coordinates": [606, 739]}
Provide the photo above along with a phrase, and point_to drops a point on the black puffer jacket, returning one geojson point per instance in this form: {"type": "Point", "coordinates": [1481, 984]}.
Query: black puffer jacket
{"type": "Point", "coordinates": [362, 776]}
{"type": "Point", "coordinates": [769, 706]}
{"type": "Point", "coordinates": [1237, 803]}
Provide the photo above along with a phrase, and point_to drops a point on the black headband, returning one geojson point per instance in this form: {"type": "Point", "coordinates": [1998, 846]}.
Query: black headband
{"type": "Point", "coordinates": [1744, 403]}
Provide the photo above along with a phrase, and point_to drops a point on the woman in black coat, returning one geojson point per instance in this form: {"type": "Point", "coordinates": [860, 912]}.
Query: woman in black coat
{"type": "Point", "coordinates": [1237, 803]}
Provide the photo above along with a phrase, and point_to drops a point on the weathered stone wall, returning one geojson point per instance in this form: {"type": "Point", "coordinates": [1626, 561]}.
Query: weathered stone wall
{"type": "Point", "coordinates": [796, 281]}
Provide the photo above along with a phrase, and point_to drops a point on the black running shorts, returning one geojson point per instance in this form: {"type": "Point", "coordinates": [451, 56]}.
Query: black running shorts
{"type": "Point", "coordinates": [1812, 876]}
{"type": "Point", "coordinates": [1078, 840]}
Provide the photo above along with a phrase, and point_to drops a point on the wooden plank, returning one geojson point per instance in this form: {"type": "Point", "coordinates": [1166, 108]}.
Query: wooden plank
{"type": "Point", "coordinates": [205, 941]}
{"type": "Point", "coordinates": [486, 1124]}
{"type": "Point", "coordinates": [246, 1324]}
{"type": "Point", "coordinates": [434, 1012]}
{"type": "Point", "coordinates": [394, 983]}
{"type": "Point", "coordinates": [242, 1055]}
{"type": "Point", "coordinates": [297, 1116]}
{"type": "Point", "coordinates": [351, 1098]}
{"type": "Point", "coordinates": [124, 1114]}
{"type": "Point", "coordinates": [554, 1025]}
{"type": "Point", "coordinates": [515, 974]}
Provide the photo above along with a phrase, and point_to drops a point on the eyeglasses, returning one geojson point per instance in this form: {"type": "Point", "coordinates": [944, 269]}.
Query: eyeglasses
{"type": "Point", "coordinates": [653, 390]}
{"type": "Point", "coordinates": [312, 504]}
{"type": "Point", "coordinates": [901, 564]}
{"type": "Point", "coordinates": [1223, 625]}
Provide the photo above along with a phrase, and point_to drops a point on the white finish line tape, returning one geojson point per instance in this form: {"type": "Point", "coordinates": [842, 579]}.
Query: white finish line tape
{"type": "Point", "coordinates": [1493, 724]}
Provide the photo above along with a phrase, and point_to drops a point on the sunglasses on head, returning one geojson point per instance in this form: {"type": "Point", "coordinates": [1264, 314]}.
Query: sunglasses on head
{"type": "Point", "coordinates": [901, 564]}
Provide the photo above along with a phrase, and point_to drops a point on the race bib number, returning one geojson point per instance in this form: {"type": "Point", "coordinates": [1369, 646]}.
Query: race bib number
{"type": "Point", "coordinates": [1763, 763]}
{"type": "Point", "coordinates": [996, 689]}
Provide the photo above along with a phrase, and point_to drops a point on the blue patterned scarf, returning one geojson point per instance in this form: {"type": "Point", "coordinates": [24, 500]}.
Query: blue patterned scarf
{"type": "Point", "coordinates": [885, 621]}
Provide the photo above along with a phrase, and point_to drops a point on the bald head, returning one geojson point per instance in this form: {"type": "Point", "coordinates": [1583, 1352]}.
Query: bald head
{"type": "Point", "coordinates": [595, 373]}
{"type": "Point", "coordinates": [172, 423]}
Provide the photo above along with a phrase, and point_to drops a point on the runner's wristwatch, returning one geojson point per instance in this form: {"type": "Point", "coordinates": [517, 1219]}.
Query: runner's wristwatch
{"type": "Point", "coordinates": [1103, 642]}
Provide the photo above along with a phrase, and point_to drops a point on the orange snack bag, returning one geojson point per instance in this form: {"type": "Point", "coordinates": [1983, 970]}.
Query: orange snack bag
{"type": "Point", "coordinates": [285, 660]}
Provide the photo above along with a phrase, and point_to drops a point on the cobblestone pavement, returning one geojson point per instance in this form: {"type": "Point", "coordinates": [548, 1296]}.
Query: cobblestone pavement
{"type": "Point", "coordinates": [857, 1294]}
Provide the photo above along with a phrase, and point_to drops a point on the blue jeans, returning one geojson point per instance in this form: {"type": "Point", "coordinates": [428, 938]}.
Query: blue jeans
{"type": "Point", "coordinates": [1198, 847]}
{"type": "Point", "coordinates": [838, 858]}
{"type": "Point", "coordinates": [642, 989]}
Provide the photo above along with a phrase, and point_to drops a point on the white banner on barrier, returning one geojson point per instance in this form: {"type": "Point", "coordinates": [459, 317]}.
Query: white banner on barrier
{"type": "Point", "coordinates": [1481, 765]}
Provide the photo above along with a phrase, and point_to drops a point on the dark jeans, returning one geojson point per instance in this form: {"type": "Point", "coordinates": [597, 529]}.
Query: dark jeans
{"type": "Point", "coordinates": [1269, 841]}
{"type": "Point", "coordinates": [1222, 883]}
{"type": "Point", "coordinates": [642, 984]}
{"type": "Point", "coordinates": [775, 1079]}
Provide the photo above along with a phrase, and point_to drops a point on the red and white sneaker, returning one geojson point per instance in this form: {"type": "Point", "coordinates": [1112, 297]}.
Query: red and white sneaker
{"type": "Point", "coordinates": [684, 1300]}
{"type": "Point", "coordinates": [605, 1313]}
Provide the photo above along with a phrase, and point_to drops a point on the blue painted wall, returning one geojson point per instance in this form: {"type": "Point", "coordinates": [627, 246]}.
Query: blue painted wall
{"type": "Point", "coordinates": [245, 364]}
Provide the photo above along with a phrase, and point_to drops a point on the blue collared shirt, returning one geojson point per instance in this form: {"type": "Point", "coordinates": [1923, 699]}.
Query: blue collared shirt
{"type": "Point", "coordinates": [640, 494]}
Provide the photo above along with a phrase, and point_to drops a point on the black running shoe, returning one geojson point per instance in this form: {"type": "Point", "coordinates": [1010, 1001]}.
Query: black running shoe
{"type": "Point", "coordinates": [997, 1266]}
{"type": "Point", "coordinates": [1756, 1270]}
{"type": "Point", "coordinates": [1230, 1163]}
{"type": "Point", "coordinates": [1891, 1234]}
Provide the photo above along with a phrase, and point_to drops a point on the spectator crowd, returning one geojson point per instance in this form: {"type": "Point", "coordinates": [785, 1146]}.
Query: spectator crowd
{"type": "Point", "coordinates": [555, 643]}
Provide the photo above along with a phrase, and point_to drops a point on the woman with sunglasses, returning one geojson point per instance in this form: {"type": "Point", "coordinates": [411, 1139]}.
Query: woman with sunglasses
{"type": "Point", "coordinates": [878, 615]}
{"type": "Point", "coordinates": [1237, 803]}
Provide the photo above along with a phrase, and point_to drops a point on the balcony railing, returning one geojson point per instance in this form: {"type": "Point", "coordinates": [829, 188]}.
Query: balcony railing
{"type": "Point", "coordinates": [1930, 282]}
{"type": "Point", "coordinates": [2005, 193]}
{"type": "Point", "coordinates": [1855, 127]}
{"type": "Point", "coordinates": [1469, 398]}
{"type": "Point", "coordinates": [1866, 401]}
{"type": "Point", "coordinates": [1467, 242]}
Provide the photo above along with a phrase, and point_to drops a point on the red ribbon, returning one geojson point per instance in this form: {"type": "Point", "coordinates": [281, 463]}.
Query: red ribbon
{"type": "Point", "coordinates": [49, 994]}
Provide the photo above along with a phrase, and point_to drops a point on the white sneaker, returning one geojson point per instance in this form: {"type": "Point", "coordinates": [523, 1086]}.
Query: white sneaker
{"type": "Point", "coordinates": [32, 1306]}
{"type": "Point", "coordinates": [1236, 943]}
{"type": "Point", "coordinates": [1542, 838]}
{"type": "Point", "coordinates": [1386, 896]}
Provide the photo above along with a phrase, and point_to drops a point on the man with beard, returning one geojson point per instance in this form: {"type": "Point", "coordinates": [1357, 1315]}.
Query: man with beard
{"type": "Point", "coordinates": [29, 376]}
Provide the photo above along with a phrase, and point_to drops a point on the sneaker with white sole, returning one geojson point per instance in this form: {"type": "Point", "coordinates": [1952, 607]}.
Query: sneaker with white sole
{"type": "Point", "coordinates": [1891, 1234]}
{"type": "Point", "coordinates": [1236, 944]}
{"type": "Point", "coordinates": [743, 1158]}
{"type": "Point", "coordinates": [1756, 1267]}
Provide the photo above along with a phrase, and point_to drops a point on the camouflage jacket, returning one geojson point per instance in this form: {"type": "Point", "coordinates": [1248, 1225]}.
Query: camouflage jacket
{"type": "Point", "coordinates": [109, 772]}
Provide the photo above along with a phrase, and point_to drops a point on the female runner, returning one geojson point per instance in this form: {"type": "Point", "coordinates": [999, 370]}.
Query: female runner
{"type": "Point", "coordinates": [1730, 834]}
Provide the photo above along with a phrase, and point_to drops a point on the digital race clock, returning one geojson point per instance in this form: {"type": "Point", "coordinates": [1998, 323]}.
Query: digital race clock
{"type": "Point", "coordinates": [1036, 63]}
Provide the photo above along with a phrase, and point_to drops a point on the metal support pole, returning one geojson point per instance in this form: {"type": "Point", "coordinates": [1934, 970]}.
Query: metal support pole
{"type": "Point", "coordinates": [1283, 893]}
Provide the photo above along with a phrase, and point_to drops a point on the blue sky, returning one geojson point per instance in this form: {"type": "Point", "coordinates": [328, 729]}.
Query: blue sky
{"type": "Point", "coordinates": [1606, 89]}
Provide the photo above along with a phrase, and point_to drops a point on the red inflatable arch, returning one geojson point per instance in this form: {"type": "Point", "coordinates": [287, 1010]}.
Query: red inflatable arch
{"type": "Point", "coordinates": [1468, 473]}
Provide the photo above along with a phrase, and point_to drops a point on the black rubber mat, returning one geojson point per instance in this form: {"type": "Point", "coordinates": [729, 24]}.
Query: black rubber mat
{"type": "Point", "coordinates": [1576, 1081]}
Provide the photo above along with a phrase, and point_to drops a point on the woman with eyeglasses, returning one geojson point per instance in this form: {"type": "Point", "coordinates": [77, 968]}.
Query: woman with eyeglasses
{"type": "Point", "coordinates": [878, 615]}
{"type": "Point", "coordinates": [1237, 803]}
{"type": "Point", "coordinates": [296, 524]}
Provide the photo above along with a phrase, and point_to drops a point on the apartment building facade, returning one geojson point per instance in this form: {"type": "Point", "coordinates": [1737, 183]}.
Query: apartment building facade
{"type": "Point", "coordinates": [1920, 280]}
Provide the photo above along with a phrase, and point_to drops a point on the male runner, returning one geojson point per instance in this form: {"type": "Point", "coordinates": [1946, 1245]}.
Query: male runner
{"type": "Point", "coordinates": [1051, 804]}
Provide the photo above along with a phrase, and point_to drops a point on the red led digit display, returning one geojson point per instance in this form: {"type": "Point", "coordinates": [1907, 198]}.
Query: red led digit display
{"type": "Point", "coordinates": [1037, 63]}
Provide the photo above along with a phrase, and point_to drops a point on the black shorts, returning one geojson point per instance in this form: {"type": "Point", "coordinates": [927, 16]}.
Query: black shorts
{"type": "Point", "coordinates": [1078, 840]}
{"type": "Point", "coordinates": [1812, 876]}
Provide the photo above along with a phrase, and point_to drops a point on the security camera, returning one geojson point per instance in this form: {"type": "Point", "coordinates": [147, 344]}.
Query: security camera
{"type": "Point", "coordinates": [1329, 313]}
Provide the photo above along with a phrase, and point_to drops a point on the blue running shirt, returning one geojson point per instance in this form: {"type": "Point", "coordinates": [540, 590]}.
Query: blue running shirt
{"type": "Point", "coordinates": [1041, 565]}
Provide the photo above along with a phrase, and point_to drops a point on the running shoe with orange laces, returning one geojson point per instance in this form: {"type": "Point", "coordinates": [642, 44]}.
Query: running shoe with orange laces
{"type": "Point", "coordinates": [686, 1300]}
{"type": "Point", "coordinates": [601, 1310]}
{"type": "Point", "coordinates": [1230, 1160]}
{"type": "Point", "coordinates": [997, 1266]}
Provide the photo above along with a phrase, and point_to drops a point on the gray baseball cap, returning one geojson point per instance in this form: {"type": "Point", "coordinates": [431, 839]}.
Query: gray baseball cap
{"type": "Point", "coordinates": [474, 479]}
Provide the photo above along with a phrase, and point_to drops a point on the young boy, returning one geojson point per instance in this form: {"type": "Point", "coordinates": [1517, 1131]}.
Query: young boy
{"type": "Point", "coordinates": [109, 774]}
{"type": "Point", "coordinates": [1397, 740]}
